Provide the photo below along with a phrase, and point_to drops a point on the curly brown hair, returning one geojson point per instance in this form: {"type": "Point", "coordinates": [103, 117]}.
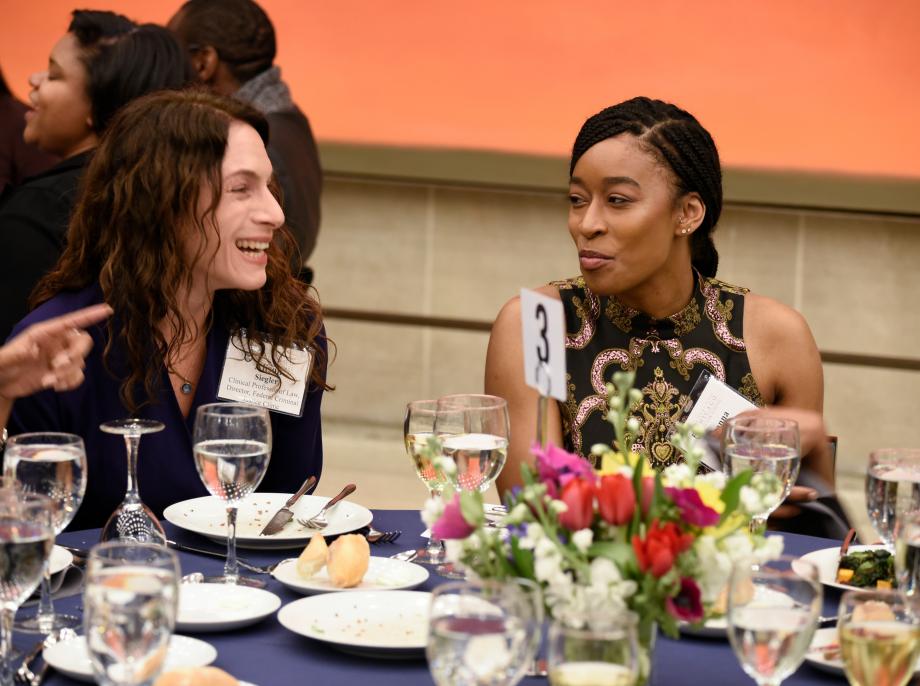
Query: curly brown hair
{"type": "Point", "coordinates": [138, 198]}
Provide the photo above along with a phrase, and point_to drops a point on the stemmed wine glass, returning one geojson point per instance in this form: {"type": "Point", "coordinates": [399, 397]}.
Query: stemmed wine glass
{"type": "Point", "coordinates": [907, 560]}
{"type": "Point", "coordinates": [480, 632]}
{"type": "Point", "coordinates": [232, 445]}
{"type": "Point", "coordinates": [473, 430]}
{"type": "Point", "coordinates": [26, 539]}
{"type": "Point", "coordinates": [773, 610]}
{"type": "Point", "coordinates": [133, 521]}
{"type": "Point", "coordinates": [879, 638]}
{"type": "Point", "coordinates": [769, 447]}
{"type": "Point", "coordinates": [892, 488]}
{"type": "Point", "coordinates": [53, 465]}
{"type": "Point", "coordinates": [418, 428]}
{"type": "Point", "coordinates": [131, 602]}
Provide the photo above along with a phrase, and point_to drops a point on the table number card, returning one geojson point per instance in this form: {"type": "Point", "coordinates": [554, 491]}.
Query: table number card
{"type": "Point", "coordinates": [543, 328]}
{"type": "Point", "coordinates": [240, 381]}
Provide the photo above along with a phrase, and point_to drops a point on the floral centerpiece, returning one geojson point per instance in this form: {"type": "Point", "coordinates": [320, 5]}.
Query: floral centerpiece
{"type": "Point", "coordinates": [620, 538]}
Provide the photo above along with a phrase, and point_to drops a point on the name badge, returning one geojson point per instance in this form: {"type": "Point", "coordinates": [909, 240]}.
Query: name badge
{"type": "Point", "coordinates": [711, 403]}
{"type": "Point", "coordinates": [241, 381]}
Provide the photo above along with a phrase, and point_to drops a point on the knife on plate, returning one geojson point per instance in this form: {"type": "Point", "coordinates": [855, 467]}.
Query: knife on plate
{"type": "Point", "coordinates": [285, 514]}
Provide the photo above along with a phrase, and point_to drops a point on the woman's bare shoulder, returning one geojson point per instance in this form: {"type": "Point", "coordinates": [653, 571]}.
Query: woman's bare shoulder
{"type": "Point", "coordinates": [510, 313]}
{"type": "Point", "coordinates": [769, 321]}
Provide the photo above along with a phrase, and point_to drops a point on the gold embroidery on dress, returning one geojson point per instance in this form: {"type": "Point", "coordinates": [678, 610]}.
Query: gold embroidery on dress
{"type": "Point", "coordinates": [660, 410]}
{"type": "Point", "coordinates": [620, 314]}
{"type": "Point", "coordinates": [749, 389]}
{"type": "Point", "coordinates": [723, 286]}
{"type": "Point", "coordinates": [687, 319]}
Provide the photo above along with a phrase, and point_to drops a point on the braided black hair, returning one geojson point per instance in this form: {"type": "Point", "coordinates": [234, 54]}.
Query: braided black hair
{"type": "Point", "coordinates": [239, 30]}
{"type": "Point", "coordinates": [680, 142]}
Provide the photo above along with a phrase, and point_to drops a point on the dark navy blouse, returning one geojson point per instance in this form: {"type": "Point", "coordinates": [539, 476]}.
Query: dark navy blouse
{"type": "Point", "coordinates": [166, 469]}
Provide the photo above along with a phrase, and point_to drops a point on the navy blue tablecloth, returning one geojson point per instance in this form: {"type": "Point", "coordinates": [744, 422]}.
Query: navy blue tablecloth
{"type": "Point", "coordinates": [267, 654]}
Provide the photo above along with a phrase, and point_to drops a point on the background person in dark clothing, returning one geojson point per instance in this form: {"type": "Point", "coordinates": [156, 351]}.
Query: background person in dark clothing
{"type": "Point", "coordinates": [103, 62]}
{"type": "Point", "coordinates": [18, 159]}
{"type": "Point", "coordinates": [232, 46]}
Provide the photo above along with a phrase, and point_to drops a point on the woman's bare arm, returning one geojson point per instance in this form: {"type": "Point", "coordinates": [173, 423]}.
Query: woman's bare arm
{"type": "Point", "coordinates": [505, 378]}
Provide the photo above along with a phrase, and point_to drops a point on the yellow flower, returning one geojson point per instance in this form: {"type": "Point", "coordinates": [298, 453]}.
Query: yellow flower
{"type": "Point", "coordinates": [710, 495]}
{"type": "Point", "coordinates": [612, 462]}
{"type": "Point", "coordinates": [736, 520]}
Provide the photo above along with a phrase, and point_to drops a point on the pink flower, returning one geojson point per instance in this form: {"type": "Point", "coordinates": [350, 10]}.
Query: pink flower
{"type": "Point", "coordinates": [578, 495]}
{"type": "Point", "coordinates": [688, 605]}
{"type": "Point", "coordinates": [616, 499]}
{"type": "Point", "coordinates": [692, 509]}
{"type": "Point", "coordinates": [451, 524]}
{"type": "Point", "coordinates": [556, 467]}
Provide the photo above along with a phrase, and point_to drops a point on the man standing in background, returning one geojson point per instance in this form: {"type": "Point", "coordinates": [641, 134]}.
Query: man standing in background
{"type": "Point", "coordinates": [232, 47]}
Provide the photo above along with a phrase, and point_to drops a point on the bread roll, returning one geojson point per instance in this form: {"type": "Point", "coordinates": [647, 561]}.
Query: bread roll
{"type": "Point", "coordinates": [349, 557]}
{"type": "Point", "coordinates": [313, 557]}
{"type": "Point", "coordinates": [196, 676]}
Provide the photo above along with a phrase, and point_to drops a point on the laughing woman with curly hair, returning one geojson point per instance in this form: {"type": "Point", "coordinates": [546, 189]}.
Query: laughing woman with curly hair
{"type": "Point", "coordinates": [179, 230]}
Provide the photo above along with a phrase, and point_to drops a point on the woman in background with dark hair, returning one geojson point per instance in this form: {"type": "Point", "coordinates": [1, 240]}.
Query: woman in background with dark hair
{"type": "Point", "coordinates": [645, 195]}
{"type": "Point", "coordinates": [102, 62]}
{"type": "Point", "coordinates": [18, 160]}
{"type": "Point", "coordinates": [184, 240]}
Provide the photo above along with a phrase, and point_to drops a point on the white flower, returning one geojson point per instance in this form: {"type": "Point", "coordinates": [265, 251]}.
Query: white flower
{"type": "Point", "coordinates": [604, 572]}
{"type": "Point", "coordinates": [445, 465]}
{"type": "Point", "coordinates": [487, 655]}
{"type": "Point", "coordinates": [751, 501]}
{"type": "Point", "coordinates": [454, 549]}
{"type": "Point", "coordinates": [517, 515]}
{"type": "Point", "coordinates": [715, 479]}
{"type": "Point", "coordinates": [432, 511]}
{"type": "Point", "coordinates": [583, 539]}
{"type": "Point", "coordinates": [676, 475]}
{"type": "Point", "coordinates": [770, 549]}
{"type": "Point", "coordinates": [558, 506]}
{"type": "Point", "coordinates": [632, 426]}
{"type": "Point", "coordinates": [534, 534]}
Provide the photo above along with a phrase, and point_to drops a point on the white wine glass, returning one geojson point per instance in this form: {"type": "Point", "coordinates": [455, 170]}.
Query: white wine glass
{"type": "Point", "coordinates": [892, 488]}
{"type": "Point", "coordinates": [26, 539]}
{"type": "Point", "coordinates": [130, 606]}
{"type": "Point", "coordinates": [769, 447]}
{"type": "Point", "coordinates": [773, 612]}
{"type": "Point", "coordinates": [473, 430]}
{"type": "Point", "coordinates": [879, 638]}
{"type": "Point", "coordinates": [53, 465]}
{"type": "Point", "coordinates": [603, 656]}
{"type": "Point", "coordinates": [132, 521]}
{"type": "Point", "coordinates": [907, 560]}
{"type": "Point", "coordinates": [232, 445]}
{"type": "Point", "coordinates": [418, 430]}
{"type": "Point", "coordinates": [480, 632]}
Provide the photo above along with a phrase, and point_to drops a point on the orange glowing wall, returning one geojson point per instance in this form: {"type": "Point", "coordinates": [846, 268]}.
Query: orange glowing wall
{"type": "Point", "coordinates": [829, 85]}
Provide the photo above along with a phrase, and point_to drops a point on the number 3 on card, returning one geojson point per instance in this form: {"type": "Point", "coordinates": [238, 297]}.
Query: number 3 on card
{"type": "Point", "coordinates": [543, 331]}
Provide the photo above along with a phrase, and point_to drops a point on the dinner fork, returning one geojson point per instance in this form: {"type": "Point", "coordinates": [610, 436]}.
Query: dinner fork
{"type": "Point", "coordinates": [374, 536]}
{"type": "Point", "coordinates": [319, 521]}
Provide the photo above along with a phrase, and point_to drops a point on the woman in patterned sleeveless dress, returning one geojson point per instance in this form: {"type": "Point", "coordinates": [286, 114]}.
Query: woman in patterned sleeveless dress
{"type": "Point", "coordinates": [645, 195]}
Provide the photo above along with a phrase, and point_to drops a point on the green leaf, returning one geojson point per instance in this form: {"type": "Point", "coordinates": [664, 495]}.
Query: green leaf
{"type": "Point", "coordinates": [523, 559]}
{"type": "Point", "coordinates": [731, 494]}
{"type": "Point", "coordinates": [471, 507]}
{"type": "Point", "coordinates": [620, 553]}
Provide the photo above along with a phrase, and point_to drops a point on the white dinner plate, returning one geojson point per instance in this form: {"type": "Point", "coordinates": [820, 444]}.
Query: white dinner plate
{"type": "Point", "coordinates": [72, 659]}
{"type": "Point", "coordinates": [383, 574]}
{"type": "Point", "coordinates": [221, 607]}
{"type": "Point", "coordinates": [208, 516]}
{"type": "Point", "coordinates": [828, 638]}
{"type": "Point", "coordinates": [60, 559]}
{"type": "Point", "coordinates": [827, 559]}
{"type": "Point", "coordinates": [370, 623]}
{"type": "Point", "coordinates": [717, 627]}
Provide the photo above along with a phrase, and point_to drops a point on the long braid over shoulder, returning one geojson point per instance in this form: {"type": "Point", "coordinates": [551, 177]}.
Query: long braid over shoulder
{"type": "Point", "coordinates": [681, 143]}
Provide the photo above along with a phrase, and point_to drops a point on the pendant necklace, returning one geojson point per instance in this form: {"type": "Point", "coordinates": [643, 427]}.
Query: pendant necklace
{"type": "Point", "coordinates": [186, 387]}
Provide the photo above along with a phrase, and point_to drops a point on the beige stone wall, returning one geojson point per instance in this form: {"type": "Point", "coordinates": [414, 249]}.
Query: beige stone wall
{"type": "Point", "coordinates": [459, 252]}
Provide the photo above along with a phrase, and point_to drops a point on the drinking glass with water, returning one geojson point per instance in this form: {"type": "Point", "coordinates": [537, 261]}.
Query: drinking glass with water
{"type": "Point", "coordinates": [892, 488]}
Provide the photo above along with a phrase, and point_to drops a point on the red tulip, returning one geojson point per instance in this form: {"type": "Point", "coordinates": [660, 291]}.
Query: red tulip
{"type": "Point", "coordinates": [578, 495]}
{"type": "Point", "coordinates": [616, 499]}
{"type": "Point", "coordinates": [660, 548]}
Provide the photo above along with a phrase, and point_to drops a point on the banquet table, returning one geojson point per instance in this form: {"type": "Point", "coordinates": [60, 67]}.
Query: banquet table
{"type": "Point", "coordinates": [267, 654]}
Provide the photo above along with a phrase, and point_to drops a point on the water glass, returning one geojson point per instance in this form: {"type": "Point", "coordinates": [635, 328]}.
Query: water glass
{"type": "Point", "coordinates": [130, 605]}
{"type": "Point", "coordinates": [473, 430]}
{"type": "Point", "coordinates": [768, 446]}
{"type": "Point", "coordinates": [26, 539]}
{"type": "Point", "coordinates": [418, 429]}
{"type": "Point", "coordinates": [772, 615]}
{"type": "Point", "coordinates": [480, 632]}
{"type": "Point", "coordinates": [607, 656]}
{"type": "Point", "coordinates": [879, 638]}
{"type": "Point", "coordinates": [53, 465]}
{"type": "Point", "coordinates": [907, 560]}
{"type": "Point", "coordinates": [892, 488]}
{"type": "Point", "coordinates": [232, 444]}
